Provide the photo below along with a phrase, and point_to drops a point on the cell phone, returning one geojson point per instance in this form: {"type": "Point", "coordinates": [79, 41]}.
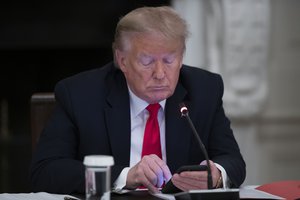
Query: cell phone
{"type": "Point", "coordinates": [170, 188]}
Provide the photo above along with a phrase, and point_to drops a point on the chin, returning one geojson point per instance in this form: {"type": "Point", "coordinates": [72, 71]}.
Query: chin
{"type": "Point", "coordinates": [157, 98]}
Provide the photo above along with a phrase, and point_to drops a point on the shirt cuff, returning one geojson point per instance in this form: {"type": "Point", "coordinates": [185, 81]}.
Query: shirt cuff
{"type": "Point", "coordinates": [120, 183]}
{"type": "Point", "coordinates": [224, 176]}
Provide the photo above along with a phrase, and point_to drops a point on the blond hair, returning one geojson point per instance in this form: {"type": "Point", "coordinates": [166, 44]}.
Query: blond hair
{"type": "Point", "coordinates": [160, 20]}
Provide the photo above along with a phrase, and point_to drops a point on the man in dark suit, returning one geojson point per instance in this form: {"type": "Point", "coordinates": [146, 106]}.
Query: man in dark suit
{"type": "Point", "coordinates": [103, 111]}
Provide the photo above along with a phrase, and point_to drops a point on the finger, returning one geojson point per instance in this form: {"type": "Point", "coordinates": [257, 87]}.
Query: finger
{"type": "Point", "coordinates": [166, 172]}
{"type": "Point", "coordinates": [194, 175]}
{"type": "Point", "coordinates": [177, 181]}
{"type": "Point", "coordinates": [152, 169]}
{"type": "Point", "coordinates": [150, 174]}
{"type": "Point", "coordinates": [203, 162]}
{"type": "Point", "coordinates": [195, 183]}
{"type": "Point", "coordinates": [156, 176]}
{"type": "Point", "coordinates": [162, 171]}
{"type": "Point", "coordinates": [215, 172]}
{"type": "Point", "coordinates": [139, 175]}
{"type": "Point", "coordinates": [158, 170]}
{"type": "Point", "coordinates": [211, 163]}
{"type": "Point", "coordinates": [186, 186]}
{"type": "Point", "coordinates": [188, 183]}
{"type": "Point", "coordinates": [152, 188]}
{"type": "Point", "coordinates": [136, 176]}
{"type": "Point", "coordinates": [142, 179]}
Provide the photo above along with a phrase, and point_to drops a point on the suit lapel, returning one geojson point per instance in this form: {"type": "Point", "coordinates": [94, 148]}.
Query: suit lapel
{"type": "Point", "coordinates": [117, 116]}
{"type": "Point", "coordinates": [177, 141]}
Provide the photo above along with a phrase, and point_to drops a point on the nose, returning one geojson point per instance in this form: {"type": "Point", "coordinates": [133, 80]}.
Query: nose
{"type": "Point", "coordinates": [159, 71]}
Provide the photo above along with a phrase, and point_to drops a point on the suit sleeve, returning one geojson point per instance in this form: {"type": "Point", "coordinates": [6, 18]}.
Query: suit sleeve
{"type": "Point", "coordinates": [223, 148]}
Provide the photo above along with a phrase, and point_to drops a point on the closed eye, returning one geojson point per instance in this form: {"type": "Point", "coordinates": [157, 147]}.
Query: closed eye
{"type": "Point", "coordinates": [169, 59]}
{"type": "Point", "coordinates": [146, 60]}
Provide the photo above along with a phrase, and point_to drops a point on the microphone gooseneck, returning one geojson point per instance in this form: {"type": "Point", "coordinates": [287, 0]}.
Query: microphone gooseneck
{"type": "Point", "coordinates": [185, 113]}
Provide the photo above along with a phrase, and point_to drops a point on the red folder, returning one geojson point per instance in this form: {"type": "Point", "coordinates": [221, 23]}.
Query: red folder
{"type": "Point", "coordinates": [289, 189]}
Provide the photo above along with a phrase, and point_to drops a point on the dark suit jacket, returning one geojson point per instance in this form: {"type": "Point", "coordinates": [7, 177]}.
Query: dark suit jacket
{"type": "Point", "coordinates": [92, 116]}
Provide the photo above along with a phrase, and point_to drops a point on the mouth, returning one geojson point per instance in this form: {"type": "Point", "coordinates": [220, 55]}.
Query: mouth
{"type": "Point", "coordinates": [158, 88]}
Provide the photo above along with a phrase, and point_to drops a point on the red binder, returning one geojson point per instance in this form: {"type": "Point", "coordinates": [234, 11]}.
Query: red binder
{"type": "Point", "coordinates": [289, 189]}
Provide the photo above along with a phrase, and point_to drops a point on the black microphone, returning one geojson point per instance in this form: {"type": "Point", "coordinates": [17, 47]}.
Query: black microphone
{"type": "Point", "coordinates": [185, 113]}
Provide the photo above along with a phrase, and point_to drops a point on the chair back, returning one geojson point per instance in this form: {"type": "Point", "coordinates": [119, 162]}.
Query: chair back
{"type": "Point", "coordinates": [41, 107]}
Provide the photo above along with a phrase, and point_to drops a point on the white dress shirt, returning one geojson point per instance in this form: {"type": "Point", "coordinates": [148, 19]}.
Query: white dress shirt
{"type": "Point", "coordinates": [138, 116]}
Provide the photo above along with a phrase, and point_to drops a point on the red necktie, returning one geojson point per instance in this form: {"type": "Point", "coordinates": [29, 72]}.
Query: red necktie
{"type": "Point", "coordinates": [151, 144]}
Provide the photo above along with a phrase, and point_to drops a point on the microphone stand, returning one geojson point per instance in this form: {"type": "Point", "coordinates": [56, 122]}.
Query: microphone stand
{"type": "Point", "coordinates": [185, 113]}
{"type": "Point", "coordinates": [218, 194]}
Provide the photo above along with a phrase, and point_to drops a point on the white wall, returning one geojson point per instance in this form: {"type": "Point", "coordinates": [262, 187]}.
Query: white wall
{"type": "Point", "coordinates": [269, 141]}
{"type": "Point", "coordinates": [279, 128]}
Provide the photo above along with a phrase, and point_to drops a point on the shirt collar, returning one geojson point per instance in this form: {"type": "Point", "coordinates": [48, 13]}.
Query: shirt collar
{"type": "Point", "coordinates": [137, 105]}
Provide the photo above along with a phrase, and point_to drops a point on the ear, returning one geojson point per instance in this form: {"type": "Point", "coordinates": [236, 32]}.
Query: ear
{"type": "Point", "coordinates": [181, 62]}
{"type": "Point", "coordinates": [120, 58]}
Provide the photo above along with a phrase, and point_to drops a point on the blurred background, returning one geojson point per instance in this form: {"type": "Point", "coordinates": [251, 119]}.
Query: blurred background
{"type": "Point", "coordinates": [254, 44]}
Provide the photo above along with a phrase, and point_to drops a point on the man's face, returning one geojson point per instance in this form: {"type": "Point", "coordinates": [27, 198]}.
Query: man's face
{"type": "Point", "coordinates": [151, 66]}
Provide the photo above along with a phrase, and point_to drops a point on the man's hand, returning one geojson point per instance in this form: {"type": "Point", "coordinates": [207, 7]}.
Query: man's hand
{"type": "Point", "coordinates": [150, 172]}
{"type": "Point", "coordinates": [195, 180]}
